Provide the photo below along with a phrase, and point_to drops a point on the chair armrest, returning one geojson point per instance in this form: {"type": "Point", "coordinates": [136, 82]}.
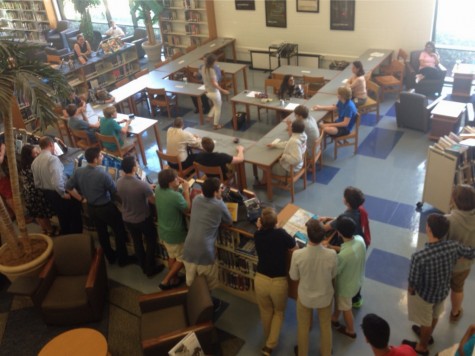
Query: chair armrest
{"type": "Point", "coordinates": [96, 283]}
{"type": "Point", "coordinates": [174, 337]}
{"type": "Point", "coordinates": [441, 67]}
{"type": "Point", "coordinates": [95, 268]}
{"type": "Point", "coordinates": [161, 300]}
{"type": "Point", "coordinates": [128, 38]}
{"type": "Point", "coordinates": [46, 277]}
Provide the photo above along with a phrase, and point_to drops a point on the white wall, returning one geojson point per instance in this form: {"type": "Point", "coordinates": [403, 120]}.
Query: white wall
{"type": "Point", "coordinates": [388, 24]}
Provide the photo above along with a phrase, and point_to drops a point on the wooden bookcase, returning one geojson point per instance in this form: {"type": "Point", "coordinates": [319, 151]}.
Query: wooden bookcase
{"type": "Point", "coordinates": [103, 71]}
{"type": "Point", "coordinates": [27, 19]}
{"type": "Point", "coordinates": [186, 23]}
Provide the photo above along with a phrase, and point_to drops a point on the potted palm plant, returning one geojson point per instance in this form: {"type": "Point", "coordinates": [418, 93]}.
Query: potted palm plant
{"type": "Point", "coordinates": [148, 11]}
{"type": "Point", "coordinates": [38, 83]}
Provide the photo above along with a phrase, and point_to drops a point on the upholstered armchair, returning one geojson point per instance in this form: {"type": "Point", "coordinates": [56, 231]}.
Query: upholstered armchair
{"type": "Point", "coordinates": [139, 37]}
{"type": "Point", "coordinates": [167, 317]}
{"type": "Point", "coordinates": [413, 111]}
{"type": "Point", "coordinates": [55, 36]}
{"type": "Point", "coordinates": [71, 38]}
{"type": "Point", "coordinates": [427, 87]}
{"type": "Point", "coordinates": [73, 284]}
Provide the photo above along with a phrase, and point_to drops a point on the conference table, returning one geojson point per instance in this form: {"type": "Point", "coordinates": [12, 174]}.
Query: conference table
{"type": "Point", "coordinates": [226, 144]}
{"type": "Point", "coordinates": [300, 72]}
{"type": "Point", "coordinates": [248, 99]}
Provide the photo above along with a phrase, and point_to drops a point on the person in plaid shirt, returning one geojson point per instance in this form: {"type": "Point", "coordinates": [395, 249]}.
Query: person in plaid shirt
{"type": "Point", "coordinates": [429, 280]}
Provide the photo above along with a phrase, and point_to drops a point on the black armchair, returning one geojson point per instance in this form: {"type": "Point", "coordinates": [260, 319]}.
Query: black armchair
{"type": "Point", "coordinates": [55, 36]}
{"type": "Point", "coordinates": [139, 37]}
{"type": "Point", "coordinates": [427, 87]}
{"type": "Point", "coordinates": [413, 111]}
{"type": "Point", "coordinates": [71, 38]}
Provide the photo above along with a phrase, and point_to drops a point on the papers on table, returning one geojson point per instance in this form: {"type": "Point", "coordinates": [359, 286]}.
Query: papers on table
{"type": "Point", "coordinates": [181, 62]}
{"type": "Point", "coordinates": [305, 71]}
{"type": "Point", "coordinates": [344, 81]}
{"type": "Point", "coordinates": [202, 87]}
{"type": "Point", "coordinates": [276, 141]}
{"type": "Point", "coordinates": [252, 94]}
{"type": "Point", "coordinates": [291, 106]}
{"type": "Point", "coordinates": [296, 227]}
{"type": "Point", "coordinates": [376, 54]}
{"type": "Point", "coordinates": [179, 86]}
{"type": "Point", "coordinates": [468, 142]}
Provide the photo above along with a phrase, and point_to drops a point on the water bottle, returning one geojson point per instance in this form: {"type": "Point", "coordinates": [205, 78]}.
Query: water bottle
{"type": "Point", "coordinates": [185, 79]}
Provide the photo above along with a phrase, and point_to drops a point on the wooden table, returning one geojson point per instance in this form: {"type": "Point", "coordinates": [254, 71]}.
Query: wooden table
{"type": "Point", "coordinates": [247, 98]}
{"type": "Point", "coordinates": [228, 68]}
{"type": "Point", "coordinates": [463, 74]}
{"type": "Point", "coordinates": [299, 72]}
{"type": "Point", "coordinates": [225, 144]}
{"type": "Point", "coordinates": [76, 342]}
{"type": "Point", "coordinates": [445, 118]}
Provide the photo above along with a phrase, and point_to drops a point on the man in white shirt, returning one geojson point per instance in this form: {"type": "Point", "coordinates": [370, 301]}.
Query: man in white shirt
{"type": "Point", "coordinates": [179, 143]}
{"type": "Point", "coordinates": [314, 267]}
{"type": "Point", "coordinates": [114, 30]}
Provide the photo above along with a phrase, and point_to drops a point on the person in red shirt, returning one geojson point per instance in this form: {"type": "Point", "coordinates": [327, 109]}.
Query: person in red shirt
{"type": "Point", "coordinates": [376, 331]}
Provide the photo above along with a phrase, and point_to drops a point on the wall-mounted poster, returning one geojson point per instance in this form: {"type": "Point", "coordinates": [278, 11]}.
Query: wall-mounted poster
{"type": "Point", "coordinates": [308, 5]}
{"type": "Point", "coordinates": [342, 15]}
{"type": "Point", "coordinates": [245, 4]}
{"type": "Point", "coordinates": [276, 13]}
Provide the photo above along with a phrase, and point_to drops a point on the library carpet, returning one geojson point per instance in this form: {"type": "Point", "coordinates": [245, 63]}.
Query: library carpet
{"type": "Point", "coordinates": [23, 332]}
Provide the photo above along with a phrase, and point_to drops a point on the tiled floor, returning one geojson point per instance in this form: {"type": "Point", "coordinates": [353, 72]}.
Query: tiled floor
{"type": "Point", "coordinates": [390, 169]}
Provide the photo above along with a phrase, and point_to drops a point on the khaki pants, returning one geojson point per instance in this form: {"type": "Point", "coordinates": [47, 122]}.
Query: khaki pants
{"type": "Point", "coordinates": [304, 320]}
{"type": "Point", "coordinates": [271, 295]}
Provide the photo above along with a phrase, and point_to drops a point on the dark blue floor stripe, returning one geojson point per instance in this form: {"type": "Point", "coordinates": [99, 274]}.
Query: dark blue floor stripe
{"type": "Point", "coordinates": [324, 175]}
{"type": "Point", "coordinates": [388, 268]}
{"type": "Point", "coordinates": [379, 143]}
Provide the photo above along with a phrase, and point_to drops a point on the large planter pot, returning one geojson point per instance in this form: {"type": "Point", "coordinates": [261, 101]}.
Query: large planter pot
{"type": "Point", "coordinates": [154, 52]}
{"type": "Point", "coordinates": [32, 268]}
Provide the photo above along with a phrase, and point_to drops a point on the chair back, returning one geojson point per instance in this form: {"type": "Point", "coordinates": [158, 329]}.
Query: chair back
{"type": "Point", "coordinates": [278, 76]}
{"type": "Point", "coordinates": [208, 170]}
{"type": "Point", "coordinates": [402, 55]}
{"type": "Point", "coordinates": [314, 84]}
{"type": "Point", "coordinates": [412, 111]}
{"type": "Point", "coordinates": [199, 305]}
{"type": "Point", "coordinates": [316, 156]}
{"type": "Point", "coordinates": [122, 82]}
{"type": "Point", "coordinates": [161, 63]}
{"type": "Point", "coordinates": [309, 79]}
{"type": "Point", "coordinates": [141, 73]}
{"type": "Point", "coordinates": [109, 139]}
{"type": "Point", "coordinates": [73, 254]}
{"type": "Point", "coordinates": [274, 83]}
{"type": "Point", "coordinates": [157, 97]}
{"type": "Point", "coordinates": [176, 55]}
{"type": "Point", "coordinates": [372, 101]}
{"type": "Point", "coordinates": [81, 139]}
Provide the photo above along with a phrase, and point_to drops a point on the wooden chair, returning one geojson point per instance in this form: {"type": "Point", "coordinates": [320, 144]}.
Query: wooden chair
{"type": "Point", "coordinates": [202, 172]}
{"type": "Point", "coordinates": [161, 63]}
{"type": "Point", "coordinates": [176, 55]}
{"type": "Point", "coordinates": [159, 98]}
{"type": "Point", "coordinates": [275, 85]}
{"type": "Point", "coordinates": [63, 130]}
{"type": "Point", "coordinates": [316, 157]}
{"type": "Point", "coordinates": [190, 48]}
{"type": "Point", "coordinates": [183, 173]}
{"type": "Point", "coordinates": [227, 83]}
{"type": "Point", "coordinates": [392, 80]}
{"type": "Point", "coordinates": [288, 182]}
{"type": "Point", "coordinates": [81, 139]}
{"type": "Point", "coordinates": [125, 102]}
{"type": "Point", "coordinates": [314, 84]}
{"type": "Point", "coordinates": [278, 76]}
{"type": "Point", "coordinates": [141, 73]}
{"type": "Point", "coordinates": [141, 97]}
{"type": "Point", "coordinates": [349, 140]}
{"type": "Point", "coordinates": [372, 101]}
{"type": "Point", "coordinates": [119, 151]}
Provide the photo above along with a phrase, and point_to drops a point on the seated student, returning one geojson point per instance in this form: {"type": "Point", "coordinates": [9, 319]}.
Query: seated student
{"type": "Point", "coordinates": [311, 128]}
{"type": "Point", "coordinates": [357, 83]}
{"type": "Point", "coordinates": [78, 100]}
{"type": "Point", "coordinates": [109, 127]}
{"type": "Point", "coordinates": [114, 31]}
{"type": "Point", "coordinates": [294, 149]}
{"type": "Point", "coordinates": [346, 114]}
{"type": "Point", "coordinates": [376, 331]}
{"type": "Point", "coordinates": [211, 159]}
{"type": "Point", "coordinates": [82, 48]}
{"type": "Point", "coordinates": [288, 89]}
{"type": "Point", "coordinates": [78, 123]}
{"type": "Point", "coordinates": [179, 143]}
{"type": "Point", "coordinates": [428, 63]}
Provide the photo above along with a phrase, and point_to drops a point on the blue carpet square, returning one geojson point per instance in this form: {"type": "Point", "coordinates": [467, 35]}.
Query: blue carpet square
{"type": "Point", "coordinates": [324, 175]}
{"type": "Point", "coordinates": [392, 212]}
{"type": "Point", "coordinates": [391, 111]}
{"type": "Point", "coordinates": [188, 123]}
{"type": "Point", "coordinates": [247, 125]}
{"type": "Point", "coordinates": [369, 119]}
{"type": "Point", "coordinates": [379, 143]}
{"type": "Point", "coordinates": [388, 268]}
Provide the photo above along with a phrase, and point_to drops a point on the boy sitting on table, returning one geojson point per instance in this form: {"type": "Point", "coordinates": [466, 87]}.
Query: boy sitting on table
{"type": "Point", "coordinates": [346, 114]}
{"type": "Point", "coordinates": [294, 151]}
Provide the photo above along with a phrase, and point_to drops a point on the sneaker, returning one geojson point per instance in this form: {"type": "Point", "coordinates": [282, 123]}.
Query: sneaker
{"type": "Point", "coordinates": [358, 304]}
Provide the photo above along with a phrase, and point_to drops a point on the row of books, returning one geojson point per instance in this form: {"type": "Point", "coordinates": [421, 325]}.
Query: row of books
{"type": "Point", "coordinates": [192, 16]}
{"type": "Point", "coordinates": [192, 29]}
{"type": "Point", "coordinates": [235, 262]}
{"type": "Point", "coordinates": [27, 16]}
{"type": "Point", "coordinates": [236, 281]}
{"type": "Point", "coordinates": [23, 6]}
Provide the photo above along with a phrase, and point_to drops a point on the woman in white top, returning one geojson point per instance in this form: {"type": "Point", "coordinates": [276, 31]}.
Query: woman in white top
{"type": "Point", "coordinates": [213, 90]}
{"type": "Point", "coordinates": [357, 83]}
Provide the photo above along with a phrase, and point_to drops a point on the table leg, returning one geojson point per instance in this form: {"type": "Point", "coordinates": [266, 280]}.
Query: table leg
{"type": "Point", "coordinates": [234, 84]}
{"type": "Point", "coordinates": [142, 151]}
{"type": "Point", "coordinates": [234, 117]}
{"type": "Point", "coordinates": [157, 136]}
{"type": "Point", "coordinates": [200, 109]}
{"type": "Point", "coordinates": [267, 172]}
{"type": "Point", "coordinates": [248, 113]}
{"type": "Point", "coordinates": [244, 73]}
{"type": "Point", "coordinates": [233, 44]}
{"type": "Point", "coordinates": [241, 176]}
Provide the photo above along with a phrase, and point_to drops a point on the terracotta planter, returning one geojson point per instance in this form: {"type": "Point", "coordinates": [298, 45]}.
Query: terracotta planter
{"type": "Point", "coordinates": [32, 268]}
{"type": "Point", "coordinates": [154, 52]}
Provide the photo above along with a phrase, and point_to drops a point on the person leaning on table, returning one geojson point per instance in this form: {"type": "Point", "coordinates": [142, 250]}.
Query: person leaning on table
{"type": "Point", "coordinates": [272, 246]}
{"type": "Point", "coordinates": [346, 114]}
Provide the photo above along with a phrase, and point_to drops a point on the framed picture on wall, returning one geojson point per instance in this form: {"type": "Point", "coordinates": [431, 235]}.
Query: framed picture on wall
{"type": "Point", "coordinates": [308, 5]}
{"type": "Point", "coordinates": [245, 4]}
{"type": "Point", "coordinates": [342, 15]}
{"type": "Point", "coordinates": [276, 13]}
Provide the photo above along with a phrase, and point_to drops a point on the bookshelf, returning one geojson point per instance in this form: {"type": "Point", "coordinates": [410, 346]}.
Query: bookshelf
{"type": "Point", "coordinates": [102, 71]}
{"type": "Point", "coordinates": [185, 23]}
{"type": "Point", "coordinates": [27, 19]}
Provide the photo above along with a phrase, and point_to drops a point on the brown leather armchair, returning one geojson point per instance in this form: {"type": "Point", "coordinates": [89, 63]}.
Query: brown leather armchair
{"type": "Point", "coordinates": [427, 87]}
{"type": "Point", "coordinates": [139, 37]}
{"type": "Point", "coordinates": [73, 284]}
{"type": "Point", "coordinates": [167, 317]}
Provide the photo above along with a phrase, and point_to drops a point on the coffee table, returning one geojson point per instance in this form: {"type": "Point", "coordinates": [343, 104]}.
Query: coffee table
{"type": "Point", "coordinates": [77, 342]}
{"type": "Point", "coordinates": [445, 118]}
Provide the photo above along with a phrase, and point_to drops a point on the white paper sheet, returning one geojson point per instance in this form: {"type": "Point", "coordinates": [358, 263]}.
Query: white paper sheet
{"type": "Point", "coordinates": [291, 106]}
{"type": "Point", "coordinates": [202, 87]}
{"type": "Point", "coordinates": [376, 54]}
{"type": "Point", "coordinates": [252, 94]}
